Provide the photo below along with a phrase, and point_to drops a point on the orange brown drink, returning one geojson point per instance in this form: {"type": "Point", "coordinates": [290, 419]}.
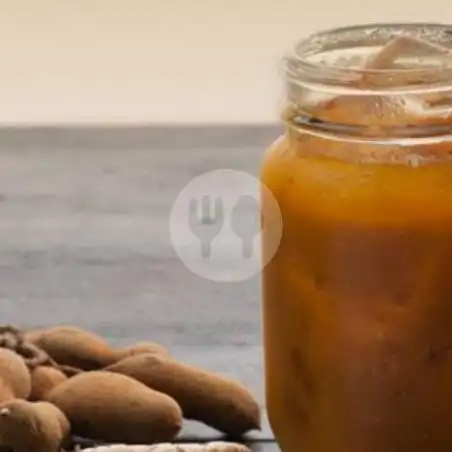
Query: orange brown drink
{"type": "Point", "coordinates": [358, 298]}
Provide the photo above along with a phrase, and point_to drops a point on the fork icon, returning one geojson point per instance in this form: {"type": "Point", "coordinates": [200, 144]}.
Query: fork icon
{"type": "Point", "coordinates": [206, 219]}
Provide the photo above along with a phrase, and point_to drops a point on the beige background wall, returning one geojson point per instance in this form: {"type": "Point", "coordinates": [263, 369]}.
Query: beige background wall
{"type": "Point", "coordinates": [165, 61]}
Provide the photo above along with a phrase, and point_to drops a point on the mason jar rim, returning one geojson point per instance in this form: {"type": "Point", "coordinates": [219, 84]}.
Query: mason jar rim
{"type": "Point", "coordinates": [299, 68]}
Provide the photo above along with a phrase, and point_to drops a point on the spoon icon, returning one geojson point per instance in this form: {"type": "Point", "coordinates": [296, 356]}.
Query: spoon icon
{"type": "Point", "coordinates": [246, 222]}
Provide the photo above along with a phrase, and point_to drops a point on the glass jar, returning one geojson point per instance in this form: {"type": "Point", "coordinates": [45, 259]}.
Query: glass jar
{"type": "Point", "coordinates": [358, 298]}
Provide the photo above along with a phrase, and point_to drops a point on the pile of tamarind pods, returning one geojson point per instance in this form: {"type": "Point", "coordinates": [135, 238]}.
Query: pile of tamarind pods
{"type": "Point", "coordinates": [135, 395]}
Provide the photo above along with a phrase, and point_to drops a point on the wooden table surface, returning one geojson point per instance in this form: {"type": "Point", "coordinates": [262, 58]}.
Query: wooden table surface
{"type": "Point", "coordinates": [84, 240]}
